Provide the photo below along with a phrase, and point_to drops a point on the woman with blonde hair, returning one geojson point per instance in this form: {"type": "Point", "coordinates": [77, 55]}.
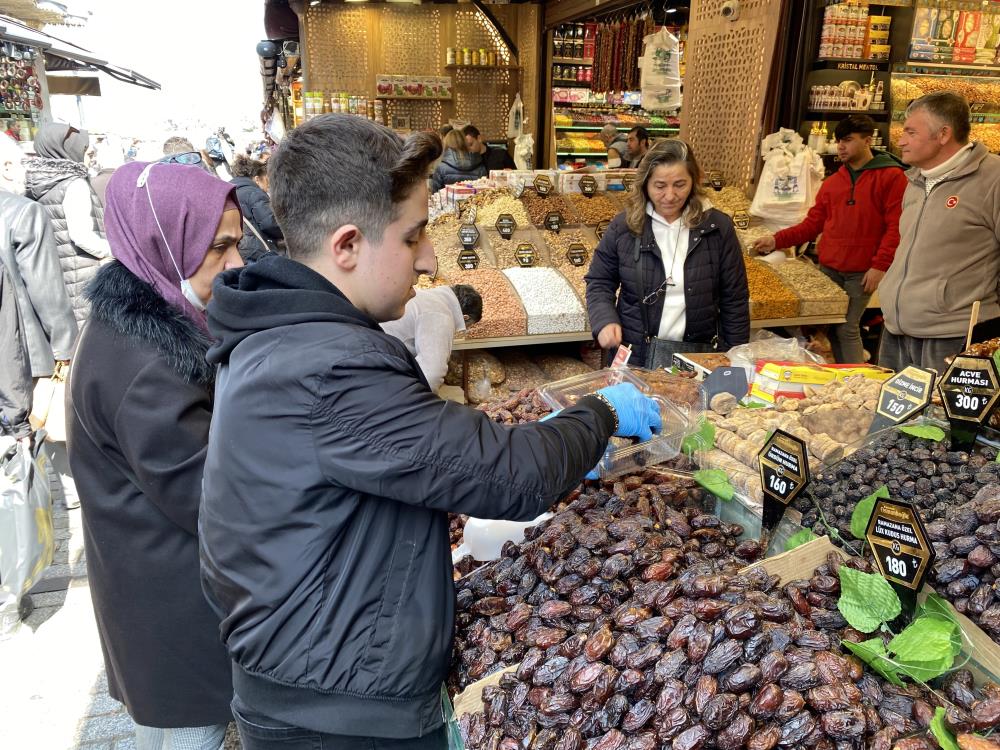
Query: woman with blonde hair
{"type": "Point", "coordinates": [457, 163]}
{"type": "Point", "coordinates": [674, 264]}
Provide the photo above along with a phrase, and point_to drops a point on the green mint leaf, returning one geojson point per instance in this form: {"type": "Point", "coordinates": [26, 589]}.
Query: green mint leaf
{"type": "Point", "coordinates": [926, 431]}
{"type": "Point", "coordinates": [866, 599]}
{"type": "Point", "coordinates": [716, 482]}
{"type": "Point", "coordinates": [701, 440]}
{"type": "Point", "coordinates": [941, 732]}
{"type": "Point", "coordinates": [872, 652]}
{"type": "Point", "coordinates": [757, 405]}
{"type": "Point", "coordinates": [863, 512]}
{"type": "Point", "coordinates": [935, 604]}
{"type": "Point", "coordinates": [799, 538]}
{"type": "Point", "coordinates": [924, 671]}
{"type": "Point", "coordinates": [929, 638]}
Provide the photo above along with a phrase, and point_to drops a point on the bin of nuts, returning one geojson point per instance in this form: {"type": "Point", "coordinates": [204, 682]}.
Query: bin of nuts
{"type": "Point", "coordinates": [770, 298]}
{"type": "Point", "coordinates": [505, 251]}
{"type": "Point", "coordinates": [820, 295]}
{"type": "Point", "coordinates": [490, 204]}
{"type": "Point", "coordinates": [559, 245]}
{"type": "Point", "coordinates": [538, 207]}
{"type": "Point", "coordinates": [595, 209]}
{"type": "Point", "coordinates": [503, 313]}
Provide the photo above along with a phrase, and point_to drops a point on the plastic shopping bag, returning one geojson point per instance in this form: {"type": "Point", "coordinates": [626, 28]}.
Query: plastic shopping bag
{"type": "Point", "coordinates": [26, 536]}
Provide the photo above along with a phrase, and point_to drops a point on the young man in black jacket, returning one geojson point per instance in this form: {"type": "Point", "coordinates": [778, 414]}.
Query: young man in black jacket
{"type": "Point", "coordinates": [331, 465]}
{"type": "Point", "coordinates": [493, 158]}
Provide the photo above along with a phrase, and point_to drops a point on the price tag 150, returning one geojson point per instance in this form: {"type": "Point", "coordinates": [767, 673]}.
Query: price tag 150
{"type": "Point", "coordinates": [903, 397]}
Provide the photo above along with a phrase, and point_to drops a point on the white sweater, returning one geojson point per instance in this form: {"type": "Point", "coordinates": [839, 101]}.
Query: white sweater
{"type": "Point", "coordinates": [428, 328]}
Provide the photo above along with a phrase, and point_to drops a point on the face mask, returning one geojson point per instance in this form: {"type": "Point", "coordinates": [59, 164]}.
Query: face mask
{"type": "Point", "coordinates": [185, 284]}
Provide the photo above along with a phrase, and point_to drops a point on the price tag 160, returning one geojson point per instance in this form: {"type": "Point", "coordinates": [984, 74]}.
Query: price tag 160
{"type": "Point", "coordinates": [784, 473]}
{"type": "Point", "coordinates": [576, 254]}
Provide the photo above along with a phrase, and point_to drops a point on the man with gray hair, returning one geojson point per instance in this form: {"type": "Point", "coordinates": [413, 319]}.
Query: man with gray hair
{"type": "Point", "coordinates": [618, 155]}
{"type": "Point", "coordinates": [949, 251]}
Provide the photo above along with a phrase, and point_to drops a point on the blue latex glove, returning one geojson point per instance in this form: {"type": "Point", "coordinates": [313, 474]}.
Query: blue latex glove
{"type": "Point", "coordinates": [638, 415]}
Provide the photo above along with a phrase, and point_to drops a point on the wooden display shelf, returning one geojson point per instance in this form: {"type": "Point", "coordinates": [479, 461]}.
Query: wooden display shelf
{"type": "Point", "coordinates": [806, 320]}
{"type": "Point", "coordinates": [457, 66]}
{"type": "Point", "coordinates": [570, 82]}
{"type": "Point", "coordinates": [915, 67]}
{"type": "Point", "coordinates": [542, 338]}
{"type": "Point", "coordinates": [572, 61]}
{"type": "Point", "coordinates": [600, 154]}
{"type": "Point", "coordinates": [414, 98]}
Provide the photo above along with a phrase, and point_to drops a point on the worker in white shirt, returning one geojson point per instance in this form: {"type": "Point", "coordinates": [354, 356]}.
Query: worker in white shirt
{"type": "Point", "coordinates": [430, 322]}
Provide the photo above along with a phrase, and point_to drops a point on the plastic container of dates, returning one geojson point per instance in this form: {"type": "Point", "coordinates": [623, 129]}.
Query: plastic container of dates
{"type": "Point", "coordinates": [563, 393]}
{"type": "Point", "coordinates": [624, 457]}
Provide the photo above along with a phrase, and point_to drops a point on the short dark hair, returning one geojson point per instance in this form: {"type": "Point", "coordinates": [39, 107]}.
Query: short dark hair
{"type": "Point", "coordinates": [470, 301]}
{"type": "Point", "coordinates": [339, 169]}
{"type": "Point", "coordinates": [861, 124]}
{"type": "Point", "coordinates": [640, 133]}
{"type": "Point", "coordinates": [471, 130]}
{"type": "Point", "coordinates": [244, 166]}
{"type": "Point", "coordinates": [949, 109]}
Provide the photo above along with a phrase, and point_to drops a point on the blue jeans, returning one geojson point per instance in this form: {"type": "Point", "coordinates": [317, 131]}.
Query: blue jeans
{"type": "Point", "coordinates": [259, 732]}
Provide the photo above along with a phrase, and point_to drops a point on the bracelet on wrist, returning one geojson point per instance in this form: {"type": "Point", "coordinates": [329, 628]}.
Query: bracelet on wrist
{"type": "Point", "coordinates": [614, 414]}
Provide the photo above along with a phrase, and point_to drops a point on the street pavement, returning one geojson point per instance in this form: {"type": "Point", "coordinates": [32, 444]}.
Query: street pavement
{"type": "Point", "coordinates": [53, 688]}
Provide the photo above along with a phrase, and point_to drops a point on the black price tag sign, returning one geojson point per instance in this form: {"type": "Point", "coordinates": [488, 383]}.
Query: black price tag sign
{"type": "Point", "coordinates": [468, 234]}
{"type": "Point", "coordinates": [588, 186]}
{"type": "Point", "coordinates": [969, 388]}
{"type": "Point", "coordinates": [602, 227]}
{"type": "Point", "coordinates": [784, 473]}
{"type": "Point", "coordinates": [897, 536]}
{"type": "Point", "coordinates": [576, 254]}
{"type": "Point", "coordinates": [553, 221]}
{"type": "Point", "coordinates": [628, 181]}
{"type": "Point", "coordinates": [506, 225]}
{"type": "Point", "coordinates": [903, 396]}
{"type": "Point", "coordinates": [741, 219]}
{"type": "Point", "coordinates": [716, 180]}
{"type": "Point", "coordinates": [468, 260]}
{"type": "Point", "coordinates": [543, 185]}
{"type": "Point", "coordinates": [525, 255]}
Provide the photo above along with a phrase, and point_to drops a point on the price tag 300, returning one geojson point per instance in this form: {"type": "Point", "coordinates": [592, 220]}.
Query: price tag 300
{"type": "Point", "coordinates": [970, 388]}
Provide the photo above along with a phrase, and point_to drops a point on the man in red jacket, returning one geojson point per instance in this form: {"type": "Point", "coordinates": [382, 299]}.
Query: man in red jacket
{"type": "Point", "coordinates": [857, 212]}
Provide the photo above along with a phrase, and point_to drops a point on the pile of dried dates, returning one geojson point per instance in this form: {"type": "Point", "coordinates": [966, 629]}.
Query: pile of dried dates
{"type": "Point", "coordinates": [924, 472]}
{"type": "Point", "coordinates": [967, 568]}
{"type": "Point", "coordinates": [524, 406]}
{"type": "Point", "coordinates": [582, 565]}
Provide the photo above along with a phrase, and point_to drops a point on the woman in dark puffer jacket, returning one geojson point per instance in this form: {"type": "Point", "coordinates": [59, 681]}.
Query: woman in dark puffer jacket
{"type": "Point", "coordinates": [693, 294]}
{"type": "Point", "coordinates": [457, 164]}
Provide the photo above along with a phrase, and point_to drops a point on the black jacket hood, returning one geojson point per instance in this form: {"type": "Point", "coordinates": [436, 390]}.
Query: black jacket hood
{"type": "Point", "coordinates": [272, 293]}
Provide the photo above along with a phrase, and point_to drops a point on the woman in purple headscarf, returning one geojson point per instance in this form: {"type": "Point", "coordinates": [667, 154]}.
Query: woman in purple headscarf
{"type": "Point", "coordinates": [137, 418]}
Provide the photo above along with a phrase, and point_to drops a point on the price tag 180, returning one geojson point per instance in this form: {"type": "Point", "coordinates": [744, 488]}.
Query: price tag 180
{"type": "Point", "coordinates": [741, 219]}
{"type": "Point", "coordinates": [543, 185]}
{"type": "Point", "coordinates": [898, 539]}
{"type": "Point", "coordinates": [784, 473]}
{"type": "Point", "coordinates": [553, 221]}
{"type": "Point", "coordinates": [903, 396]}
{"type": "Point", "coordinates": [716, 180]}
{"type": "Point", "coordinates": [588, 186]}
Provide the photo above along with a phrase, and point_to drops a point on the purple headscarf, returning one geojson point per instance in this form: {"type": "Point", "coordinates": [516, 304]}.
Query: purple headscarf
{"type": "Point", "coordinates": [189, 203]}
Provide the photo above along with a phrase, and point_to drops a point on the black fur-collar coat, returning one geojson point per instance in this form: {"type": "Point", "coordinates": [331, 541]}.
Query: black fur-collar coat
{"type": "Point", "coordinates": [138, 413]}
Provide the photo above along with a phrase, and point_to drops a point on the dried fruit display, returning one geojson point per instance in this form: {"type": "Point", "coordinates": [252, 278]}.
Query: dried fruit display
{"type": "Point", "coordinates": [690, 658]}
{"type": "Point", "coordinates": [967, 569]}
{"type": "Point", "coordinates": [503, 313]}
{"type": "Point", "coordinates": [819, 294]}
{"type": "Point", "coordinates": [525, 406]}
{"type": "Point", "coordinates": [680, 388]}
{"type": "Point", "coordinates": [770, 298]}
{"type": "Point", "coordinates": [538, 207]}
{"type": "Point", "coordinates": [592, 211]}
{"type": "Point", "coordinates": [925, 472]}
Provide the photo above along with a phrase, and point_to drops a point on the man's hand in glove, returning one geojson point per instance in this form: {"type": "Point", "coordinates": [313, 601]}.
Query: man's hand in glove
{"type": "Point", "coordinates": [637, 415]}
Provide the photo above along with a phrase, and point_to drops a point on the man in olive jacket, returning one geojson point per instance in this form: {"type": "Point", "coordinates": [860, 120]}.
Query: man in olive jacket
{"type": "Point", "coordinates": [331, 465]}
{"type": "Point", "coordinates": [949, 249]}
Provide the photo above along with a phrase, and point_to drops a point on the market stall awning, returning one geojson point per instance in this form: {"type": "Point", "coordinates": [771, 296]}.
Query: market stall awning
{"type": "Point", "coordinates": [61, 55]}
